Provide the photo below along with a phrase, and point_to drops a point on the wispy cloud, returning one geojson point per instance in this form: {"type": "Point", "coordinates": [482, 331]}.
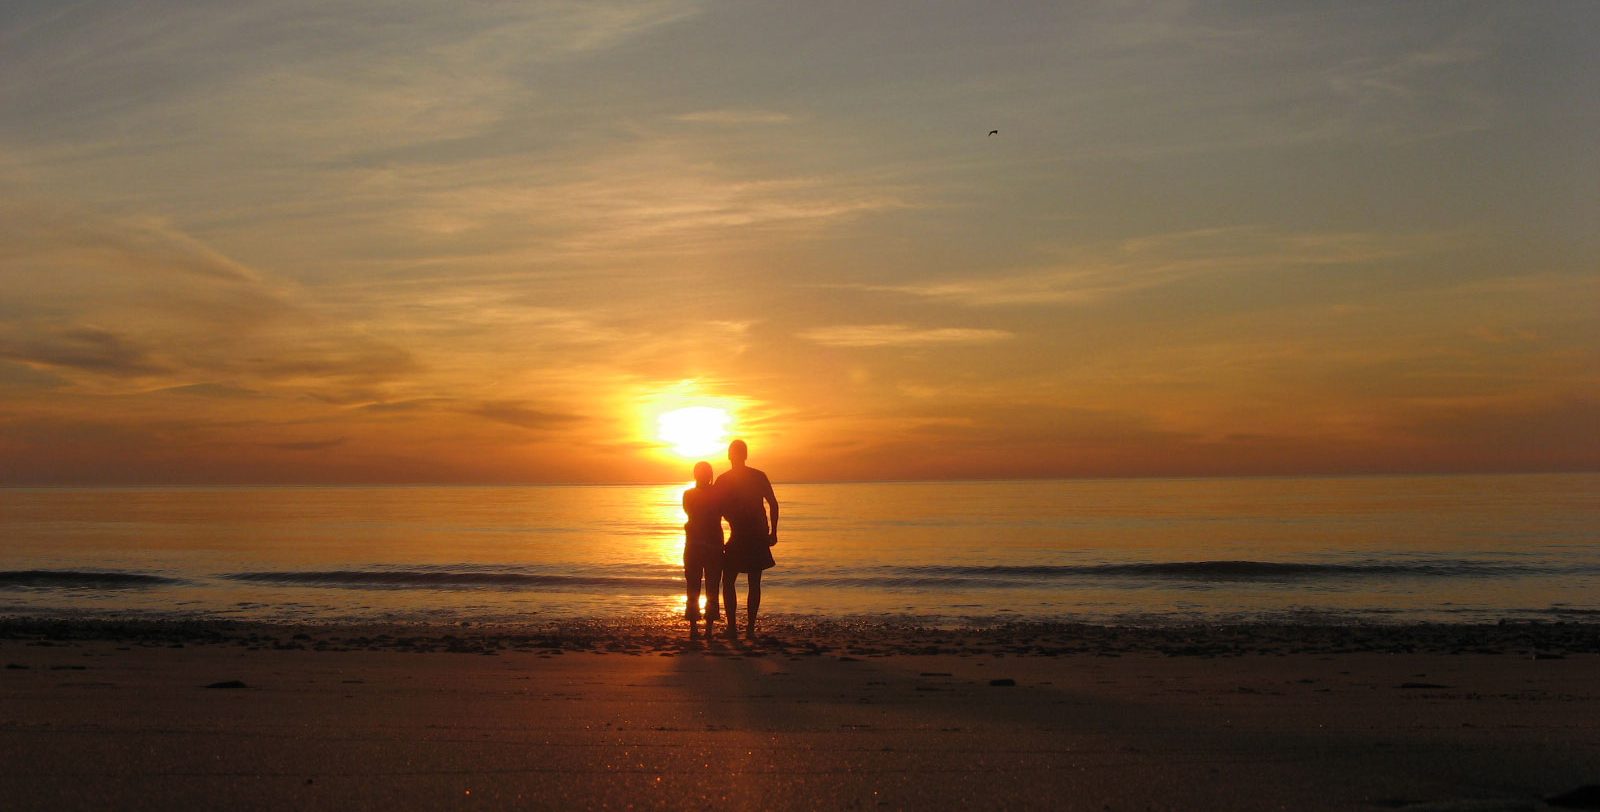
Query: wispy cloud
{"type": "Point", "coordinates": [118, 304]}
{"type": "Point", "coordinates": [297, 84]}
{"type": "Point", "coordinates": [86, 348]}
{"type": "Point", "coordinates": [734, 116]}
{"type": "Point", "coordinates": [307, 445]}
{"type": "Point", "coordinates": [1095, 273]}
{"type": "Point", "coordinates": [900, 335]}
{"type": "Point", "coordinates": [522, 416]}
{"type": "Point", "coordinates": [657, 196]}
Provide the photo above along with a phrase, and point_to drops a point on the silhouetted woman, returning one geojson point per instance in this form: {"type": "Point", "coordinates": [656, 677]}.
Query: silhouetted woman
{"type": "Point", "coordinates": [702, 546]}
{"type": "Point", "coordinates": [746, 498]}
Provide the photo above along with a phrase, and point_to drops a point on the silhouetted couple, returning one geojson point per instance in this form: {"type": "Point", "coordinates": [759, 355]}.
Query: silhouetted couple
{"type": "Point", "coordinates": [744, 497]}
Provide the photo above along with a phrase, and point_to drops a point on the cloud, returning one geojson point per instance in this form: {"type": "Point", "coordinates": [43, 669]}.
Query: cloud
{"type": "Point", "coordinates": [118, 304]}
{"type": "Point", "coordinates": [483, 228]}
{"type": "Point", "coordinates": [84, 348]}
{"type": "Point", "coordinates": [900, 335]}
{"type": "Point", "coordinates": [1510, 432]}
{"type": "Point", "coordinates": [734, 117]}
{"type": "Point", "coordinates": [1504, 335]}
{"type": "Point", "coordinates": [588, 26]}
{"type": "Point", "coordinates": [17, 377]}
{"type": "Point", "coordinates": [1095, 273]}
{"type": "Point", "coordinates": [306, 445]}
{"type": "Point", "coordinates": [408, 405]}
{"type": "Point", "coordinates": [211, 390]}
{"type": "Point", "coordinates": [520, 415]}
{"type": "Point", "coordinates": [434, 75]}
{"type": "Point", "coordinates": [334, 78]}
{"type": "Point", "coordinates": [1411, 94]}
{"type": "Point", "coordinates": [659, 196]}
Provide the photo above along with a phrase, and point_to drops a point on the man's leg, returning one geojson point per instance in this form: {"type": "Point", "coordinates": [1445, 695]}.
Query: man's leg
{"type": "Point", "coordinates": [752, 604]}
{"type": "Point", "coordinates": [730, 598]}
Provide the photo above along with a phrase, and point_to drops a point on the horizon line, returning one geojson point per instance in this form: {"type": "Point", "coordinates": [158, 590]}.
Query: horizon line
{"type": "Point", "coordinates": [909, 481]}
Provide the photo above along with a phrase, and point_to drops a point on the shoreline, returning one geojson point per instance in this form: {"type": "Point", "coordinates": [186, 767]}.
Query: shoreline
{"type": "Point", "coordinates": [803, 635]}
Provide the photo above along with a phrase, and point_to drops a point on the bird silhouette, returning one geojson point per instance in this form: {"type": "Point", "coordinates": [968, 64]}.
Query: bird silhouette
{"type": "Point", "coordinates": [994, 132]}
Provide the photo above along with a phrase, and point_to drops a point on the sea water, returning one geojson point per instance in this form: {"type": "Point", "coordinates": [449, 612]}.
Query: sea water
{"type": "Point", "coordinates": [1315, 549]}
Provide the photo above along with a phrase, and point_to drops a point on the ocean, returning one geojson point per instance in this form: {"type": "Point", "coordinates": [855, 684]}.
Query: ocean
{"type": "Point", "coordinates": [1126, 551]}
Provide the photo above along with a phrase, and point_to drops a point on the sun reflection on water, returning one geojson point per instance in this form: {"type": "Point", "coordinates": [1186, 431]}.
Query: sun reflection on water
{"type": "Point", "coordinates": [664, 510]}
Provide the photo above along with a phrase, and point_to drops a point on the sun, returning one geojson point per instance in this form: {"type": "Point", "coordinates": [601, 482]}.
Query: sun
{"type": "Point", "coordinates": [694, 432]}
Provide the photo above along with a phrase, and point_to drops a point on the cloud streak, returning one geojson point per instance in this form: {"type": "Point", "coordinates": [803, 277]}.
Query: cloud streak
{"type": "Point", "coordinates": [735, 117]}
{"type": "Point", "coordinates": [900, 335]}
{"type": "Point", "coordinates": [113, 304]}
{"type": "Point", "coordinates": [1093, 274]}
{"type": "Point", "coordinates": [521, 416]}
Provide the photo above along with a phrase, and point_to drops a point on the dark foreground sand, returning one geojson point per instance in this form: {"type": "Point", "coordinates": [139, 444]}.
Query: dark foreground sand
{"type": "Point", "coordinates": [98, 715]}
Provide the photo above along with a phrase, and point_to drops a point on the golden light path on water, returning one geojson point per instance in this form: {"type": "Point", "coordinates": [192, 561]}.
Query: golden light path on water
{"type": "Point", "coordinates": [666, 511]}
{"type": "Point", "coordinates": [684, 422]}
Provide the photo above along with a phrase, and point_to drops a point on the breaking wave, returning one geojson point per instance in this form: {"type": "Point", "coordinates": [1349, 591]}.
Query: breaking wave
{"type": "Point", "coordinates": [81, 579]}
{"type": "Point", "coordinates": [664, 578]}
{"type": "Point", "coordinates": [1245, 570]}
{"type": "Point", "coordinates": [441, 579]}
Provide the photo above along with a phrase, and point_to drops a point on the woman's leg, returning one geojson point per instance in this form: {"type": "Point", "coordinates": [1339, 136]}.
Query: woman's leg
{"type": "Point", "coordinates": [713, 589]}
{"type": "Point", "coordinates": [752, 603]}
{"type": "Point", "coordinates": [692, 570]}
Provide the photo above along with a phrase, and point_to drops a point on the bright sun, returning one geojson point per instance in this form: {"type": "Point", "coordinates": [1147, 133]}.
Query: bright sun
{"type": "Point", "coordinates": [694, 431]}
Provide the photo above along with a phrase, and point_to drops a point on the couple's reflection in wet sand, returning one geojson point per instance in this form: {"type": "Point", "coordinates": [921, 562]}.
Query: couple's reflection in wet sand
{"type": "Point", "coordinates": [742, 497]}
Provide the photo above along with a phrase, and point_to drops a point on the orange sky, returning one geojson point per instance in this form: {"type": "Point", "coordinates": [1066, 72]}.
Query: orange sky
{"type": "Point", "coordinates": [289, 243]}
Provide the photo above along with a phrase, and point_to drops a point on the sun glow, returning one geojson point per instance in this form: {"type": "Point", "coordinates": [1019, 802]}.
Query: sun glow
{"type": "Point", "coordinates": [694, 432]}
{"type": "Point", "coordinates": [688, 420]}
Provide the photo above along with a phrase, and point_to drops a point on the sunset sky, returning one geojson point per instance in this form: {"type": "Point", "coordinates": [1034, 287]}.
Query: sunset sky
{"type": "Point", "coordinates": [329, 242]}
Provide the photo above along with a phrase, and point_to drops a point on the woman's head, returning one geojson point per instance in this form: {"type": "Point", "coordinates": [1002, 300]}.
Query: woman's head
{"type": "Point", "coordinates": [702, 473]}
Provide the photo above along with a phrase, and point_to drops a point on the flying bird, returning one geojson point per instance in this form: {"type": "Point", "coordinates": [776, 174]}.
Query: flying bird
{"type": "Point", "coordinates": [994, 132]}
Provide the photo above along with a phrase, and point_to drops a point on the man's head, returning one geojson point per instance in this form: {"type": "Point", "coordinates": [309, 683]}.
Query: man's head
{"type": "Point", "coordinates": [738, 452]}
{"type": "Point", "coordinates": [702, 473]}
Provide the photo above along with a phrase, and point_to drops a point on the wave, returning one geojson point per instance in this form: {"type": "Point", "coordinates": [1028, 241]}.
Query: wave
{"type": "Point", "coordinates": [443, 579]}
{"type": "Point", "coordinates": [1244, 570]}
{"type": "Point", "coordinates": [82, 579]}
{"type": "Point", "coordinates": [662, 578]}
{"type": "Point", "coordinates": [664, 583]}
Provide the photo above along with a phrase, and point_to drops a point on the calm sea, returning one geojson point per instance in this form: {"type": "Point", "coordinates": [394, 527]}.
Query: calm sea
{"type": "Point", "coordinates": [1452, 548]}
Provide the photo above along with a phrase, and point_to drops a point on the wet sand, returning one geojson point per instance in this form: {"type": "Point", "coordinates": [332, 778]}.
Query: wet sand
{"type": "Point", "coordinates": [818, 715]}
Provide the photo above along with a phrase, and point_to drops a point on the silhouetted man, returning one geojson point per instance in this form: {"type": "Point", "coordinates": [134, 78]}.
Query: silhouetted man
{"type": "Point", "coordinates": [752, 513]}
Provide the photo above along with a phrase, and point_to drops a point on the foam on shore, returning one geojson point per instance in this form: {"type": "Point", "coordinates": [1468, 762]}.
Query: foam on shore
{"type": "Point", "coordinates": [816, 636]}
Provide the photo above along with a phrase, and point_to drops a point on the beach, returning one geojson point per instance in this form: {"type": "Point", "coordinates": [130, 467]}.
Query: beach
{"type": "Point", "coordinates": [818, 714]}
{"type": "Point", "coordinates": [1420, 643]}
